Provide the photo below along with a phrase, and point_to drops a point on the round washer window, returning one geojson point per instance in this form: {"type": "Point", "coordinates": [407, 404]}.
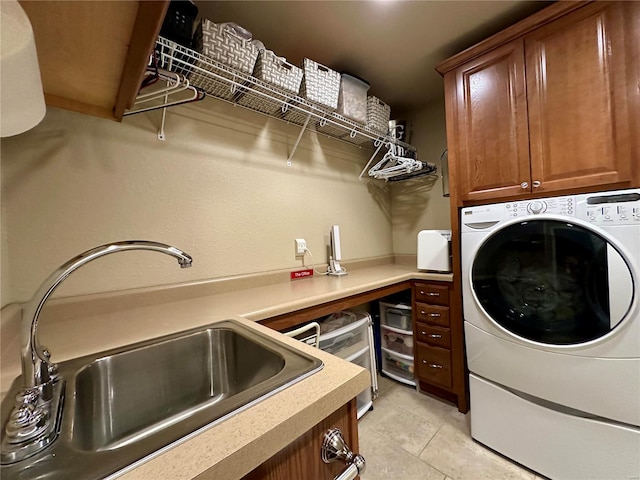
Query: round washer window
{"type": "Point", "coordinates": [551, 282]}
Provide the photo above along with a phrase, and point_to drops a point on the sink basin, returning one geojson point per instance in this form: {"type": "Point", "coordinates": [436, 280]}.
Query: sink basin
{"type": "Point", "coordinates": [123, 405]}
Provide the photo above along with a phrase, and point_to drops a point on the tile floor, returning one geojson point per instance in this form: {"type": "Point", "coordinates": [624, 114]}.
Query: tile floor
{"type": "Point", "coordinates": [411, 436]}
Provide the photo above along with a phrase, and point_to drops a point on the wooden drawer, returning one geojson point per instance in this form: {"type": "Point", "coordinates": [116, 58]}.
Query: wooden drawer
{"type": "Point", "coordinates": [434, 365]}
{"type": "Point", "coordinates": [433, 314]}
{"type": "Point", "coordinates": [435, 336]}
{"type": "Point", "coordinates": [432, 293]}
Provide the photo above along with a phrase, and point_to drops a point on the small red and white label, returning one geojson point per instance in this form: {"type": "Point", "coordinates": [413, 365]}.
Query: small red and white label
{"type": "Point", "coordinates": [302, 274]}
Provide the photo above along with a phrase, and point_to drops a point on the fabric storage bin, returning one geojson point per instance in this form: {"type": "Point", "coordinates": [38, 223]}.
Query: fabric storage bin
{"type": "Point", "coordinates": [396, 341]}
{"type": "Point", "coordinates": [378, 115]}
{"type": "Point", "coordinates": [230, 54]}
{"type": "Point", "coordinates": [352, 100]}
{"type": "Point", "coordinates": [320, 84]}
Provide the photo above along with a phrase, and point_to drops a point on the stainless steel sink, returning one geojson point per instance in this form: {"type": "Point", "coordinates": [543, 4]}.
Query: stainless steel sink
{"type": "Point", "coordinates": [123, 405]}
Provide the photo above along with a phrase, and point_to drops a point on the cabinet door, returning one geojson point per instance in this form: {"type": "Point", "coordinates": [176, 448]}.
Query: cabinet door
{"type": "Point", "coordinates": [301, 458]}
{"type": "Point", "coordinates": [577, 100]}
{"type": "Point", "coordinates": [491, 120]}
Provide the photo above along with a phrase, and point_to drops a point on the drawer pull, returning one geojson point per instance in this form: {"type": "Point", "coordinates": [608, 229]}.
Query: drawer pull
{"type": "Point", "coordinates": [429, 294]}
{"type": "Point", "coordinates": [434, 335]}
{"type": "Point", "coordinates": [432, 365]}
{"type": "Point", "coordinates": [434, 314]}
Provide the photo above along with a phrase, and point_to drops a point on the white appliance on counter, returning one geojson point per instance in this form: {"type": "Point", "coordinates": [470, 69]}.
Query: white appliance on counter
{"type": "Point", "coordinates": [434, 250]}
{"type": "Point", "coordinates": [552, 330]}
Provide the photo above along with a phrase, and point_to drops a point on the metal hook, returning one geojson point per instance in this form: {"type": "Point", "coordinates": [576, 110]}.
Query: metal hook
{"type": "Point", "coordinates": [353, 133]}
{"type": "Point", "coordinates": [323, 122]}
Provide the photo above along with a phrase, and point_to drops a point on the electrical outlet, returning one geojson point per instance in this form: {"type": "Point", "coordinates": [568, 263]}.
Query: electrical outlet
{"type": "Point", "coordinates": [301, 246]}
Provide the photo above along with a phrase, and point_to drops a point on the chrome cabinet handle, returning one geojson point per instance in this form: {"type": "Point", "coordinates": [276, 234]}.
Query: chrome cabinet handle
{"type": "Point", "coordinates": [536, 183]}
{"type": "Point", "coordinates": [435, 315]}
{"type": "Point", "coordinates": [430, 294]}
{"type": "Point", "coordinates": [432, 365]}
{"type": "Point", "coordinates": [435, 335]}
{"type": "Point", "coordinates": [524, 185]}
{"type": "Point", "coordinates": [335, 449]}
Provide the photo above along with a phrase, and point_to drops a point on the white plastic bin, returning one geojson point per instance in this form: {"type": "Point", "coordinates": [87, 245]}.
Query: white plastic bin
{"type": "Point", "coordinates": [352, 101]}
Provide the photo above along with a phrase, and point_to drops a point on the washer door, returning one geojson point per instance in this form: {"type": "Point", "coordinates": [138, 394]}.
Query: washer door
{"type": "Point", "coordinates": [552, 282]}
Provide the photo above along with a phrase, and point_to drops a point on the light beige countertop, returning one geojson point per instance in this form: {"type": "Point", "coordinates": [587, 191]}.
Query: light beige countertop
{"type": "Point", "coordinates": [72, 328]}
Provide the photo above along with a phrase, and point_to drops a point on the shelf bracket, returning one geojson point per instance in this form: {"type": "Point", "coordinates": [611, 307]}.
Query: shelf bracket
{"type": "Point", "coordinates": [295, 146]}
{"type": "Point", "coordinates": [161, 135]}
{"type": "Point", "coordinates": [379, 143]}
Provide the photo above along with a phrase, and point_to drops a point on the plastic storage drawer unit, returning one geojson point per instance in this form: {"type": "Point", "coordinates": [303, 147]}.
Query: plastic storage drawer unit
{"type": "Point", "coordinates": [396, 316]}
{"type": "Point", "coordinates": [396, 340]}
{"type": "Point", "coordinates": [398, 366]}
{"type": "Point", "coordinates": [342, 339]}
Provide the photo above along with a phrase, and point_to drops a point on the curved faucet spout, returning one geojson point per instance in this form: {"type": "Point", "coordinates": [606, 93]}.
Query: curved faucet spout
{"type": "Point", "coordinates": [36, 367]}
{"type": "Point", "coordinates": [34, 422]}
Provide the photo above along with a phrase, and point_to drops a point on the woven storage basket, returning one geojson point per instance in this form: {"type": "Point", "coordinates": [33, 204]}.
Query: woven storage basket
{"type": "Point", "coordinates": [276, 71]}
{"type": "Point", "coordinates": [235, 55]}
{"type": "Point", "coordinates": [274, 76]}
{"type": "Point", "coordinates": [378, 115]}
{"type": "Point", "coordinates": [320, 84]}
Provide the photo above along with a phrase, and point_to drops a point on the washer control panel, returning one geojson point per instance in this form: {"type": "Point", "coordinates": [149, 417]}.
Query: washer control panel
{"type": "Point", "coordinates": [605, 208]}
{"type": "Point", "coordinates": [621, 207]}
{"type": "Point", "coordinates": [615, 209]}
{"type": "Point", "coordinates": [555, 206]}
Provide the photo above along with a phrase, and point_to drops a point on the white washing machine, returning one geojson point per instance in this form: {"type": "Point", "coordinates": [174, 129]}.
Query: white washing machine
{"type": "Point", "coordinates": [552, 327]}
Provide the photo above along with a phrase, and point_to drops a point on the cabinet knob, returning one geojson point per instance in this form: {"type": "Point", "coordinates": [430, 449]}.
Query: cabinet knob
{"type": "Point", "coordinates": [524, 185]}
{"type": "Point", "coordinates": [536, 183]}
{"type": "Point", "coordinates": [334, 449]}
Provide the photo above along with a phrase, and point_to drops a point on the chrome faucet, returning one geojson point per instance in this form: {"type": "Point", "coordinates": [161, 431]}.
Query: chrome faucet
{"type": "Point", "coordinates": [32, 424]}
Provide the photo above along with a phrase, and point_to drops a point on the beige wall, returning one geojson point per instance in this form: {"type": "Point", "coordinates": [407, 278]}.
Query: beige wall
{"type": "Point", "coordinates": [218, 188]}
{"type": "Point", "coordinates": [418, 204]}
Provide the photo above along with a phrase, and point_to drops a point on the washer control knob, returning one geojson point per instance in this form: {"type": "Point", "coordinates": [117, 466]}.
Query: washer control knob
{"type": "Point", "coordinates": [536, 207]}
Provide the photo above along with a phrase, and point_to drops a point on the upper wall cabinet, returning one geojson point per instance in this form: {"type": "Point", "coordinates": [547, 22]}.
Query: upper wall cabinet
{"type": "Point", "coordinates": [93, 55]}
{"type": "Point", "coordinates": [547, 110]}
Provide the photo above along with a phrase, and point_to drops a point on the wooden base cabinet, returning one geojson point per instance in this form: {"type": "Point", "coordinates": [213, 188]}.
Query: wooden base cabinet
{"type": "Point", "coordinates": [550, 110]}
{"type": "Point", "coordinates": [438, 345]}
{"type": "Point", "coordinates": [301, 458]}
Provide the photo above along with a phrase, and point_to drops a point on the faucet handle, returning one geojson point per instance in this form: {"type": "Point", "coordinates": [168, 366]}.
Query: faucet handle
{"type": "Point", "coordinates": [52, 368]}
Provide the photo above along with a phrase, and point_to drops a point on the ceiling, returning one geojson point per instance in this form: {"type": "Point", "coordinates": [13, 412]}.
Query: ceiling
{"type": "Point", "coordinates": [393, 44]}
